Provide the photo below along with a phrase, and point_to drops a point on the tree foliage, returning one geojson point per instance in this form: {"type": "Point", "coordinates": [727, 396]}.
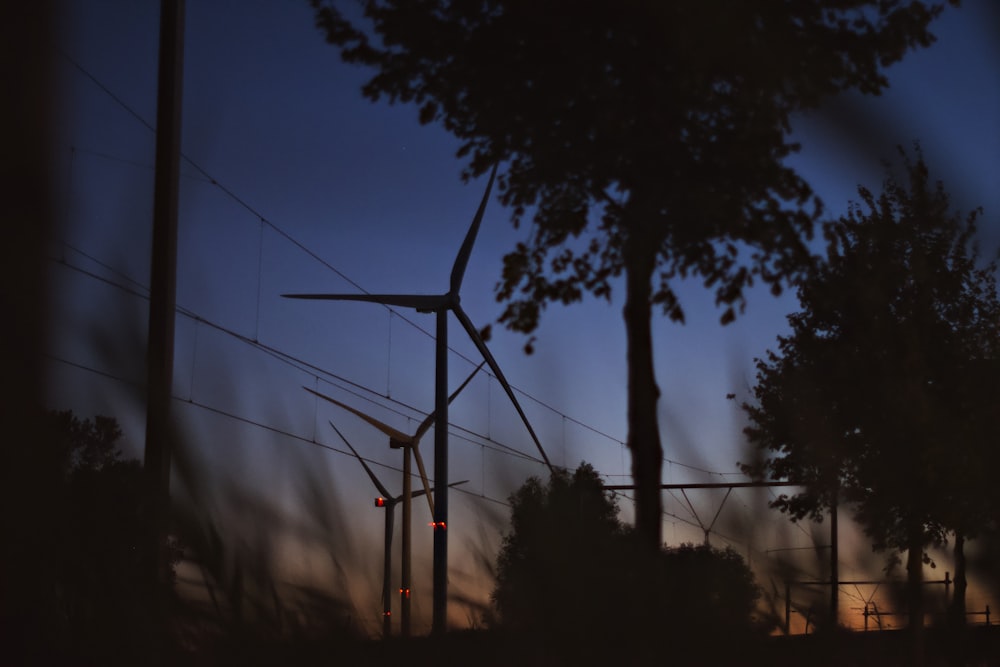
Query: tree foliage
{"type": "Point", "coordinates": [570, 570]}
{"type": "Point", "coordinates": [645, 139]}
{"type": "Point", "coordinates": [96, 541]}
{"type": "Point", "coordinates": [709, 591]}
{"type": "Point", "coordinates": [562, 552]}
{"type": "Point", "coordinates": [84, 445]}
{"type": "Point", "coordinates": [667, 120]}
{"type": "Point", "coordinates": [879, 395]}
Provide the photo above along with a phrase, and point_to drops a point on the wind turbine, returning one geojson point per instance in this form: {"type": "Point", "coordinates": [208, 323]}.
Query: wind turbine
{"type": "Point", "coordinates": [398, 439]}
{"type": "Point", "coordinates": [387, 502]}
{"type": "Point", "coordinates": [440, 305]}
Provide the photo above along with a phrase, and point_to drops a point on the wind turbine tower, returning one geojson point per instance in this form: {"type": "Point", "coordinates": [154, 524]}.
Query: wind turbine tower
{"type": "Point", "coordinates": [408, 443]}
{"type": "Point", "coordinates": [388, 503]}
{"type": "Point", "coordinates": [440, 304]}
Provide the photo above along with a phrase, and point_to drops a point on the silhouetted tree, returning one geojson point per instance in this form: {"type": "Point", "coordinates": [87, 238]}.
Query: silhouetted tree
{"type": "Point", "coordinates": [966, 473]}
{"type": "Point", "coordinates": [571, 572]}
{"type": "Point", "coordinates": [644, 138]}
{"type": "Point", "coordinates": [103, 599]}
{"type": "Point", "coordinates": [879, 393]}
{"type": "Point", "coordinates": [710, 591]}
{"type": "Point", "coordinates": [560, 562]}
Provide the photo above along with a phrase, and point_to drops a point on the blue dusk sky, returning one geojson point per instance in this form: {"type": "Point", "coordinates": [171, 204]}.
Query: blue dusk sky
{"type": "Point", "coordinates": [295, 183]}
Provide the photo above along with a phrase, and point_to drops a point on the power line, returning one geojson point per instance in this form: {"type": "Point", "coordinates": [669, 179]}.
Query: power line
{"type": "Point", "coordinates": [298, 364]}
{"type": "Point", "coordinates": [258, 424]}
{"type": "Point", "coordinates": [301, 365]}
{"type": "Point", "coordinates": [97, 82]}
{"type": "Point", "coordinates": [134, 163]}
{"type": "Point", "coordinates": [311, 369]}
{"type": "Point", "coordinates": [316, 257]}
{"type": "Point", "coordinates": [741, 543]}
{"type": "Point", "coordinates": [309, 252]}
{"type": "Point", "coordinates": [247, 206]}
{"type": "Point", "coordinates": [121, 274]}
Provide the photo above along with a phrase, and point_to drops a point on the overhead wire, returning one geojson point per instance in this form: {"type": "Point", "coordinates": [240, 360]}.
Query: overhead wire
{"type": "Point", "coordinates": [316, 371]}
{"type": "Point", "coordinates": [256, 423]}
{"type": "Point", "coordinates": [316, 257]}
{"type": "Point", "coordinates": [306, 367]}
{"type": "Point", "coordinates": [300, 364]}
{"type": "Point", "coordinates": [362, 392]}
{"type": "Point", "coordinates": [455, 431]}
{"type": "Point", "coordinates": [314, 441]}
{"type": "Point", "coordinates": [265, 221]}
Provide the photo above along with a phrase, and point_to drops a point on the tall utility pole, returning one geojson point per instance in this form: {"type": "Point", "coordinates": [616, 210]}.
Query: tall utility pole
{"type": "Point", "coordinates": [163, 284]}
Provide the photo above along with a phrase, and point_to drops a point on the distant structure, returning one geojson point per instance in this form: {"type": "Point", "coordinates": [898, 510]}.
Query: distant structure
{"type": "Point", "coordinates": [387, 502]}
{"type": "Point", "coordinates": [440, 305]}
{"type": "Point", "coordinates": [408, 443]}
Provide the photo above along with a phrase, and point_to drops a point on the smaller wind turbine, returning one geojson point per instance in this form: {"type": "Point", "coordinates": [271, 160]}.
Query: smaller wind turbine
{"type": "Point", "coordinates": [387, 502]}
{"type": "Point", "coordinates": [440, 305]}
{"type": "Point", "coordinates": [397, 440]}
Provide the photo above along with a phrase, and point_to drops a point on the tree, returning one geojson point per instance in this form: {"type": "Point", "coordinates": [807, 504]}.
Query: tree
{"type": "Point", "coordinates": [96, 538]}
{"type": "Point", "coordinates": [557, 565]}
{"type": "Point", "coordinates": [710, 590]}
{"type": "Point", "coordinates": [970, 505]}
{"type": "Point", "coordinates": [645, 138]}
{"type": "Point", "coordinates": [878, 397]}
{"type": "Point", "coordinates": [570, 571]}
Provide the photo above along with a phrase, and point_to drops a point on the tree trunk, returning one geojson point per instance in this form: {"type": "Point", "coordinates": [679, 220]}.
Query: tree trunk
{"type": "Point", "coordinates": [956, 611]}
{"type": "Point", "coordinates": [915, 595]}
{"type": "Point", "coordinates": [958, 600]}
{"type": "Point", "coordinates": [643, 429]}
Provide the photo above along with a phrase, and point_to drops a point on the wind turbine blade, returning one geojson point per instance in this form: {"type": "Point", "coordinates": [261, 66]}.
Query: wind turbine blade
{"type": "Point", "coordinates": [483, 350]}
{"type": "Point", "coordinates": [429, 421]}
{"type": "Point", "coordinates": [428, 302]}
{"type": "Point", "coordinates": [426, 424]}
{"type": "Point", "coordinates": [378, 485]}
{"type": "Point", "coordinates": [385, 428]}
{"type": "Point", "coordinates": [421, 492]}
{"type": "Point", "coordinates": [462, 260]}
{"type": "Point", "coordinates": [423, 475]}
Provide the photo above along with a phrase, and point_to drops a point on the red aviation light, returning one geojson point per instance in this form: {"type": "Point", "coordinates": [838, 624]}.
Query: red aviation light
{"type": "Point", "coordinates": [438, 524]}
{"type": "Point", "coordinates": [405, 592]}
{"type": "Point", "coordinates": [387, 613]}
{"type": "Point", "coordinates": [380, 502]}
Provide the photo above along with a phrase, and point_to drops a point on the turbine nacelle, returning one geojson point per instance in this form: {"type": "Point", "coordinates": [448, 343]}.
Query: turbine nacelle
{"type": "Point", "coordinates": [440, 305]}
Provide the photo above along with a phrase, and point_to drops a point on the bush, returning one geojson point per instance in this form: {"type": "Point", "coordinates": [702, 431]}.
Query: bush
{"type": "Point", "coordinates": [570, 571]}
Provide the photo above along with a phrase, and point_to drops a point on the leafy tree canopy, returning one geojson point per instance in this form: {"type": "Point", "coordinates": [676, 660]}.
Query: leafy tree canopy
{"type": "Point", "coordinates": [104, 602]}
{"type": "Point", "coordinates": [561, 550]}
{"type": "Point", "coordinates": [645, 138]}
{"type": "Point", "coordinates": [84, 444]}
{"type": "Point", "coordinates": [880, 390]}
{"type": "Point", "coordinates": [658, 124]}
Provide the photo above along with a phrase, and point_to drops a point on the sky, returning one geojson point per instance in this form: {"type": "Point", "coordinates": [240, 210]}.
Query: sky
{"type": "Point", "coordinates": [296, 183]}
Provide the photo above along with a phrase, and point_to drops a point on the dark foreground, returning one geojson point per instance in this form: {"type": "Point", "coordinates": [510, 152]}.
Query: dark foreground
{"type": "Point", "coordinates": [979, 646]}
